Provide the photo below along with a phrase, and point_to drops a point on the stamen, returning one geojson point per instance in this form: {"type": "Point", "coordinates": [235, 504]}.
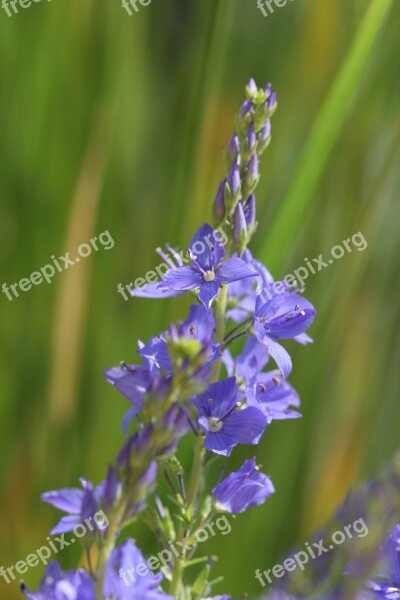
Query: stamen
{"type": "Point", "coordinates": [237, 405]}
{"type": "Point", "coordinates": [209, 276]}
{"type": "Point", "coordinates": [165, 257]}
{"type": "Point", "coordinates": [215, 424]}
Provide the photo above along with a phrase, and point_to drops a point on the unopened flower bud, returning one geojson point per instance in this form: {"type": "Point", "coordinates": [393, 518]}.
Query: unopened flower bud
{"type": "Point", "coordinates": [219, 203]}
{"type": "Point", "coordinates": [251, 138]}
{"type": "Point", "coordinates": [252, 175]}
{"type": "Point", "coordinates": [234, 149]}
{"type": "Point", "coordinates": [250, 212]}
{"type": "Point", "coordinates": [251, 88]}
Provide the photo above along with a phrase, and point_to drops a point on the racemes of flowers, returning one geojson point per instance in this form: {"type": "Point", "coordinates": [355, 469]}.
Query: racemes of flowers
{"type": "Point", "coordinates": [188, 383]}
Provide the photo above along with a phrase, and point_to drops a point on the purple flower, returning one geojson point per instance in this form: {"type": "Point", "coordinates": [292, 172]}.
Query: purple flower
{"type": "Point", "coordinates": [159, 437]}
{"type": "Point", "coordinates": [387, 584]}
{"type": "Point", "coordinates": [244, 489]}
{"type": "Point", "coordinates": [263, 390]}
{"type": "Point", "coordinates": [198, 326]}
{"type": "Point", "coordinates": [133, 382]}
{"type": "Point", "coordinates": [79, 504]}
{"type": "Point", "coordinates": [247, 366]}
{"type": "Point", "coordinates": [243, 294]}
{"type": "Point", "coordinates": [127, 576]}
{"type": "Point", "coordinates": [224, 425]}
{"type": "Point", "coordinates": [276, 396]}
{"type": "Point", "coordinates": [158, 289]}
{"type": "Point", "coordinates": [281, 316]}
{"type": "Point", "coordinates": [73, 585]}
{"type": "Point", "coordinates": [209, 270]}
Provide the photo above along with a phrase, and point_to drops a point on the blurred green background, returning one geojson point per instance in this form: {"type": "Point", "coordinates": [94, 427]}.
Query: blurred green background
{"type": "Point", "coordinates": [111, 122]}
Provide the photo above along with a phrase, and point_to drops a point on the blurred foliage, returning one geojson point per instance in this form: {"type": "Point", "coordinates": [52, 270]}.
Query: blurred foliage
{"type": "Point", "coordinates": [111, 122]}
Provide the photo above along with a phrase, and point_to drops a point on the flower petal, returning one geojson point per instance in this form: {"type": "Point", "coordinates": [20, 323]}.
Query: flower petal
{"type": "Point", "coordinates": [208, 292]}
{"type": "Point", "coordinates": [154, 290]}
{"type": "Point", "coordinates": [280, 356]}
{"type": "Point", "coordinates": [245, 426]}
{"type": "Point", "coordinates": [278, 353]}
{"type": "Point", "coordinates": [183, 278]}
{"type": "Point", "coordinates": [66, 524]}
{"type": "Point", "coordinates": [67, 499]}
{"type": "Point", "coordinates": [157, 352]}
{"type": "Point", "coordinates": [234, 269]}
{"type": "Point", "coordinates": [208, 251]}
{"type": "Point", "coordinates": [199, 325]}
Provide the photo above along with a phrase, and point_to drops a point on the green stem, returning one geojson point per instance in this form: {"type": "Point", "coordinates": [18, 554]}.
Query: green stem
{"type": "Point", "coordinates": [196, 472]}
{"type": "Point", "coordinates": [193, 489]}
{"type": "Point", "coordinates": [104, 555]}
{"type": "Point", "coordinates": [108, 545]}
{"type": "Point", "coordinates": [197, 468]}
{"type": "Point", "coordinates": [220, 327]}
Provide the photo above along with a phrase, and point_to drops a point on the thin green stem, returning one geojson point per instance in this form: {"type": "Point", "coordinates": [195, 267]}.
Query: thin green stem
{"type": "Point", "coordinates": [194, 485]}
{"type": "Point", "coordinates": [220, 327]}
{"type": "Point", "coordinates": [235, 329]}
{"type": "Point", "coordinates": [232, 339]}
{"type": "Point", "coordinates": [197, 468]}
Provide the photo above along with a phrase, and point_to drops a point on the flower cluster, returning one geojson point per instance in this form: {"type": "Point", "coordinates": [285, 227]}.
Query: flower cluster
{"type": "Point", "coordinates": [188, 383]}
{"type": "Point", "coordinates": [366, 566]}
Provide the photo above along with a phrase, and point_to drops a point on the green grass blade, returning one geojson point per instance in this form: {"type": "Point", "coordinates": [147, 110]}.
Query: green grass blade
{"type": "Point", "coordinates": [323, 136]}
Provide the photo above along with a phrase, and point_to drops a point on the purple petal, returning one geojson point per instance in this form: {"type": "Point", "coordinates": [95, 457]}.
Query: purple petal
{"type": "Point", "coordinates": [183, 278]}
{"type": "Point", "coordinates": [67, 524]}
{"type": "Point", "coordinates": [155, 290]}
{"type": "Point", "coordinates": [199, 325]}
{"type": "Point", "coordinates": [245, 426]}
{"type": "Point", "coordinates": [223, 395]}
{"type": "Point", "coordinates": [278, 353]}
{"type": "Point", "coordinates": [67, 499]}
{"type": "Point", "coordinates": [273, 390]}
{"type": "Point", "coordinates": [128, 417]}
{"type": "Point", "coordinates": [280, 356]}
{"type": "Point", "coordinates": [243, 489]}
{"type": "Point", "coordinates": [234, 269]}
{"type": "Point", "coordinates": [157, 352]}
{"type": "Point", "coordinates": [133, 388]}
{"type": "Point", "coordinates": [219, 442]}
{"type": "Point", "coordinates": [303, 339]}
{"type": "Point", "coordinates": [208, 251]}
{"type": "Point", "coordinates": [285, 315]}
{"type": "Point", "coordinates": [208, 292]}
